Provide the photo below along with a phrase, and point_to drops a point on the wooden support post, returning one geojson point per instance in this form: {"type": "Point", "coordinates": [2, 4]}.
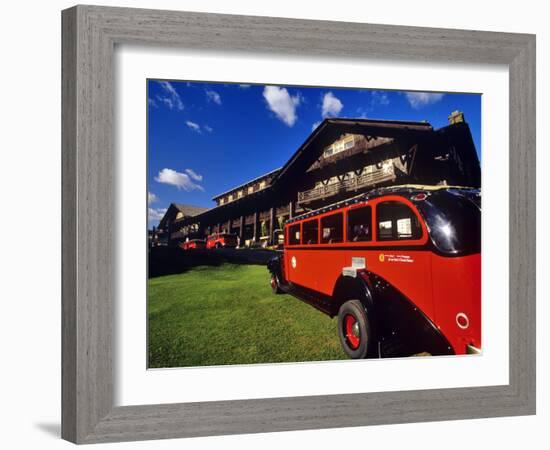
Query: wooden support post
{"type": "Point", "coordinates": [256, 233]}
{"type": "Point", "coordinates": [271, 225]}
{"type": "Point", "coordinates": [241, 232]}
{"type": "Point", "coordinates": [291, 209]}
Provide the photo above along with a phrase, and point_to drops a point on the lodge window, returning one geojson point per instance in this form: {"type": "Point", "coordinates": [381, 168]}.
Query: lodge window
{"type": "Point", "coordinates": [332, 228]}
{"type": "Point", "coordinates": [396, 221]}
{"type": "Point", "coordinates": [360, 224]}
{"type": "Point", "coordinates": [310, 230]}
{"type": "Point", "coordinates": [294, 234]}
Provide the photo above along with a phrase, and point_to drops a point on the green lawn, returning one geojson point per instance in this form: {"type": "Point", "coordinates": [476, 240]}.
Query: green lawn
{"type": "Point", "coordinates": [228, 315]}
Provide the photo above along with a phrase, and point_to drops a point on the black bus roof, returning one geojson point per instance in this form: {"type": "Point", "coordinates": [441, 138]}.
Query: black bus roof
{"type": "Point", "coordinates": [404, 190]}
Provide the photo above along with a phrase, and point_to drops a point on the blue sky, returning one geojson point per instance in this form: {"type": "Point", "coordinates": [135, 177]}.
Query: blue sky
{"type": "Point", "coordinates": [206, 138]}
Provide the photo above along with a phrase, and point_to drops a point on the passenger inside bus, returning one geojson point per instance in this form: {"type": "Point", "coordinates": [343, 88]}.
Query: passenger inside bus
{"type": "Point", "coordinates": [332, 227]}
{"type": "Point", "coordinates": [359, 224]}
{"type": "Point", "coordinates": [311, 231]}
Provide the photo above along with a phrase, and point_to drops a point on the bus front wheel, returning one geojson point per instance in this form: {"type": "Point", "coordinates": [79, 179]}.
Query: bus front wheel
{"type": "Point", "coordinates": [354, 330]}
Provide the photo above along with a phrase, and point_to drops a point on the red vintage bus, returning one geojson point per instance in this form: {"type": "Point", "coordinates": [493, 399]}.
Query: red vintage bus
{"type": "Point", "coordinates": [399, 266]}
{"type": "Point", "coordinates": [193, 244]}
{"type": "Point", "coordinates": [221, 240]}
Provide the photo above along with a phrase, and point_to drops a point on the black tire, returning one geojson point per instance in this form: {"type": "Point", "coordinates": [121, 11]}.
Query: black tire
{"type": "Point", "coordinates": [360, 342]}
{"type": "Point", "coordinates": [275, 285]}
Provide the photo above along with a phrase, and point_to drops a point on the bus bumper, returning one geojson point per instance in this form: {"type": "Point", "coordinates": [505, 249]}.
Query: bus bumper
{"type": "Point", "coordinates": [471, 350]}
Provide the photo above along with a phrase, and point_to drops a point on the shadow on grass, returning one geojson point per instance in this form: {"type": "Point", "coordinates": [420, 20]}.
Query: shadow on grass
{"type": "Point", "coordinates": [171, 261]}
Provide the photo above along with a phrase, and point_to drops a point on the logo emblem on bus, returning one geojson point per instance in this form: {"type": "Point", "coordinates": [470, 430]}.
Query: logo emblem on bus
{"type": "Point", "coordinates": [293, 262]}
{"type": "Point", "coordinates": [381, 257]}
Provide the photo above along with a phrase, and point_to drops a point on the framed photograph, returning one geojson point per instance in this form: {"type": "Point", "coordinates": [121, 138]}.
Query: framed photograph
{"type": "Point", "coordinates": [375, 222]}
{"type": "Point", "coordinates": [263, 229]}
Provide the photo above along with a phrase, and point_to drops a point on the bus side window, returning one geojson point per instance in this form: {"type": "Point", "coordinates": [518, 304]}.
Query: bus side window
{"type": "Point", "coordinates": [396, 221]}
{"type": "Point", "coordinates": [360, 224]}
{"type": "Point", "coordinates": [332, 228]}
{"type": "Point", "coordinates": [294, 234]}
{"type": "Point", "coordinates": [310, 232]}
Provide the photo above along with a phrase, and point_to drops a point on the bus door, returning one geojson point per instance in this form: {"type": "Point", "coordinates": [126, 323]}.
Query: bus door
{"type": "Point", "coordinates": [402, 257]}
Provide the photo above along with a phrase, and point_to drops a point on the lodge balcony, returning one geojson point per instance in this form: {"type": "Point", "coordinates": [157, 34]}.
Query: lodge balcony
{"type": "Point", "coordinates": [351, 185]}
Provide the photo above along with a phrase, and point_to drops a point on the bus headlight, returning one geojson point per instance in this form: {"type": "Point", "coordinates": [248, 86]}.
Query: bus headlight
{"type": "Point", "coordinates": [462, 321]}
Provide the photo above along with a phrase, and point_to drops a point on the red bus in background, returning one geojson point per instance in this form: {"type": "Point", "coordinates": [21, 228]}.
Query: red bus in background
{"type": "Point", "coordinates": [193, 244]}
{"type": "Point", "coordinates": [399, 266]}
{"type": "Point", "coordinates": [221, 240]}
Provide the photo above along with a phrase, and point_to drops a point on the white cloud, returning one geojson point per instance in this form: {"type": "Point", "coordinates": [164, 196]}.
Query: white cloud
{"type": "Point", "coordinates": [282, 103]}
{"type": "Point", "coordinates": [156, 213]}
{"type": "Point", "coordinates": [198, 128]}
{"type": "Point", "coordinates": [315, 125]}
{"type": "Point", "coordinates": [419, 99]}
{"type": "Point", "coordinates": [178, 179]}
{"type": "Point", "coordinates": [194, 126]}
{"type": "Point", "coordinates": [362, 112]}
{"type": "Point", "coordinates": [380, 98]}
{"type": "Point", "coordinates": [213, 96]}
{"type": "Point", "coordinates": [194, 175]}
{"type": "Point", "coordinates": [170, 97]}
{"type": "Point", "coordinates": [331, 105]}
{"type": "Point", "coordinates": [151, 198]}
{"type": "Point", "coordinates": [152, 102]}
{"type": "Point", "coordinates": [377, 99]}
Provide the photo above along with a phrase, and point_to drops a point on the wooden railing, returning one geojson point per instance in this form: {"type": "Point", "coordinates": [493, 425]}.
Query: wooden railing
{"type": "Point", "coordinates": [361, 145]}
{"type": "Point", "coordinates": [351, 184]}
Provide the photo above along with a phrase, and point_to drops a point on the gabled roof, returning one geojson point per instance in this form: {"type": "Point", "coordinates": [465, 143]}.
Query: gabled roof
{"type": "Point", "coordinates": [330, 130]}
{"type": "Point", "coordinates": [186, 210]}
{"type": "Point", "coordinates": [189, 210]}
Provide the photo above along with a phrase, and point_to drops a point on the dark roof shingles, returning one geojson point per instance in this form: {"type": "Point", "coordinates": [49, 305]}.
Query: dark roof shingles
{"type": "Point", "coordinates": [189, 210]}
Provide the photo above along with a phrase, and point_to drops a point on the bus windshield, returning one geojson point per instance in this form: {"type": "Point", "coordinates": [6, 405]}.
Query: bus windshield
{"type": "Point", "coordinates": [454, 222]}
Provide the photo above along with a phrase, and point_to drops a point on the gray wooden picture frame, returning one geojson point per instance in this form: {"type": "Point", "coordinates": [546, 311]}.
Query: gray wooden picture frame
{"type": "Point", "coordinates": [90, 34]}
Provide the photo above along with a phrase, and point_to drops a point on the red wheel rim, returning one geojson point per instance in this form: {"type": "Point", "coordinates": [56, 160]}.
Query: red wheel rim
{"type": "Point", "coordinates": [273, 282]}
{"type": "Point", "coordinates": [351, 328]}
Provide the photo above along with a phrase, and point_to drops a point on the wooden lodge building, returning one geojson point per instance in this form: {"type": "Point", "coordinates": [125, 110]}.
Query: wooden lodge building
{"type": "Point", "coordinates": [166, 233]}
{"type": "Point", "coordinates": [341, 158]}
